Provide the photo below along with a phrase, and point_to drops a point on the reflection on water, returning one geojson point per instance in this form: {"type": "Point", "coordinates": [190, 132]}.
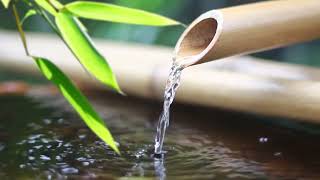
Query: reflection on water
{"type": "Point", "coordinates": [159, 168]}
{"type": "Point", "coordinates": [40, 137]}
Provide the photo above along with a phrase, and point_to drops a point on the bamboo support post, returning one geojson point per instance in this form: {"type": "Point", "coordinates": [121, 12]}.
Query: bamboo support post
{"type": "Point", "coordinates": [249, 28]}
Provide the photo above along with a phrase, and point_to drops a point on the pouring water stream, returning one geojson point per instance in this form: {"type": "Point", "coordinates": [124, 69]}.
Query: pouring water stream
{"type": "Point", "coordinates": [172, 85]}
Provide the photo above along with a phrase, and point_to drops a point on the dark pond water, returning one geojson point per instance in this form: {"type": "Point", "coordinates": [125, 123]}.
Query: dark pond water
{"type": "Point", "coordinates": [41, 138]}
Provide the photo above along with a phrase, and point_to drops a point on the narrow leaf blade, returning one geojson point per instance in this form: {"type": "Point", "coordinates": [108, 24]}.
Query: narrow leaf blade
{"type": "Point", "coordinates": [114, 13]}
{"type": "Point", "coordinates": [77, 100]}
{"type": "Point", "coordinates": [82, 46]}
{"type": "Point", "coordinates": [5, 3]}
{"type": "Point", "coordinates": [56, 4]}
{"type": "Point", "coordinates": [30, 13]}
{"type": "Point", "coordinates": [47, 6]}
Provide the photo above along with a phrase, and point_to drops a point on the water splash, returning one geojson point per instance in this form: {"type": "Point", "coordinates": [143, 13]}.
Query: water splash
{"type": "Point", "coordinates": [159, 168]}
{"type": "Point", "coordinates": [169, 94]}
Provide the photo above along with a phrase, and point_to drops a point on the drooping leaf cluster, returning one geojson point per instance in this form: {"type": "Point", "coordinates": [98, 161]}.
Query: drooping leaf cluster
{"type": "Point", "coordinates": [68, 26]}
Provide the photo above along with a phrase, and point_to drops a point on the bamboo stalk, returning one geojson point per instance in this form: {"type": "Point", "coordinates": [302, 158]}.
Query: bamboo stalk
{"type": "Point", "coordinates": [249, 28]}
{"type": "Point", "coordinates": [237, 83]}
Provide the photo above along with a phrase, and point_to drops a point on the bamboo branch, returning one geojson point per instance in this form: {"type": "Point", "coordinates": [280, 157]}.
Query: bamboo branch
{"type": "Point", "coordinates": [20, 29]}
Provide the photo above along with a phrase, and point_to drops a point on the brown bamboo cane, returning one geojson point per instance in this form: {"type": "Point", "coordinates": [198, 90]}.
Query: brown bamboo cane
{"type": "Point", "coordinates": [237, 83]}
{"type": "Point", "coordinates": [248, 28]}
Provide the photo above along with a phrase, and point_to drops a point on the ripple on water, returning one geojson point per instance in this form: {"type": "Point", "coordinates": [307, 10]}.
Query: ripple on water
{"type": "Point", "coordinates": [56, 148]}
{"type": "Point", "coordinates": [57, 154]}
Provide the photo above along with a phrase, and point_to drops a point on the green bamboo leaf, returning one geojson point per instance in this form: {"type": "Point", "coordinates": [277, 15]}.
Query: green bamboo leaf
{"type": "Point", "coordinates": [77, 100]}
{"type": "Point", "coordinates": [114, 13]}
{"type": "Point", "coordinates": [47, 6]}
{"type": "Point", "coordinates": [56, 4]}
{"type": "Point", "coordinates": [50, 6]}
{"type": "Point", "coordinates": [30, 13]}
{"type": "Point", "coordinates": [5, 3]}
{"type": "Point", "coordinates": [83, 48]}
{"type": "Point", "coordinates": [81, 25]}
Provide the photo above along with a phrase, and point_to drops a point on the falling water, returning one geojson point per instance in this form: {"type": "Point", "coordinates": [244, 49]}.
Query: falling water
{"type": "Point", "coordinates": [169, 94]}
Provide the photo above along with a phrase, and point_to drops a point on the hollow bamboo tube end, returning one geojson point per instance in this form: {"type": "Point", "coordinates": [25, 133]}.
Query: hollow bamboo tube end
{"type": "Point", "coordinates": [247, 29]}
{"type": "Point", "coordinates": [199, 38]}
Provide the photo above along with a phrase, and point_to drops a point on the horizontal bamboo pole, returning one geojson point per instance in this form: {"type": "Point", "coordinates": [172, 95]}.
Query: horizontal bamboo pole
{"type": "Point", "coordinates": [238, 83]}
{"type": "Point", "coordinates": [249, 28]}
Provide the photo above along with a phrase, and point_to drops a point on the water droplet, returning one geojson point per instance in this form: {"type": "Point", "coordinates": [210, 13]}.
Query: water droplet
{"type": "Point", "coordinates": [81, 159]}
{"type": "Point", "coordinates": [2, 146]}
{"type": "Point", "coordinates": [47, 121]}
{"type": "Point", "coordinates": [44, 140]}
{"type": "Point", "coordinates": [82, 136]}
{"type": "Point", "coordinates": [140, 153]}
{"type": "Point", "coordinates": [22, 142]}
{"type": "Point", "coordinates": [263, 139]}
{"type": "Point", "coordinates": [45, 158]}
{"type": "Point", "coordinates": [67, 145]}
{"type": "Point", "coordinates": [31, 141]}
{"type": "Point", "coordinates": [60, 121]}
{"type": "Point", "coordinates": [59, 145]}
{"type": "Point", "coordinates": [117, 143]}
{"type": "Point", "coordinates": [69, 170]}
{"type": "Point", "coordinates": [35, 136]}
{"type": "Point", "coordinates": [38, 147]}
{"type": "Point", "coordinates": [85, 163]}
{"type": "Point", "coordinates": [277, 154]}
{"type": "Point", "coordinates": [58, 158]}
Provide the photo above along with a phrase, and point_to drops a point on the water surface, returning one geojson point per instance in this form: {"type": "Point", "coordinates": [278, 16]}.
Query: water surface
{"type": "Point", "coordinates": [41, 137]}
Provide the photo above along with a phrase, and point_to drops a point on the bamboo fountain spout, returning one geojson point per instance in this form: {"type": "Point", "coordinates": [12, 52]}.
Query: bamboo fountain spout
{"type": "Point", "coordinates": [248, 28]}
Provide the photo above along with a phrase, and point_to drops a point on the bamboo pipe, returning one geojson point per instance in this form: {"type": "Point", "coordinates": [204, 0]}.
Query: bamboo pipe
{"type": "Point", "coordinates": [248, 28]}
{"type": "Point", "coordinates": [237, 83]}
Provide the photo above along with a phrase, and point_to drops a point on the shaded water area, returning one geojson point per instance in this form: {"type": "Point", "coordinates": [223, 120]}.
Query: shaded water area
{"type": "Point", "coordinates": [41, 137]}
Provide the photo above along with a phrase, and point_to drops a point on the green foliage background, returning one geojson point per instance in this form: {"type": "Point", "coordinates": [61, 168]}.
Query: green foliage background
{"type": "Point", "coordinates": [182, 10]}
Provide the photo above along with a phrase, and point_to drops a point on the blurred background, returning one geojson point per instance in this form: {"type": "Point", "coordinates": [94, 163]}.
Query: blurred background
{"type": "Point", "coordinates": [182, 10]}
